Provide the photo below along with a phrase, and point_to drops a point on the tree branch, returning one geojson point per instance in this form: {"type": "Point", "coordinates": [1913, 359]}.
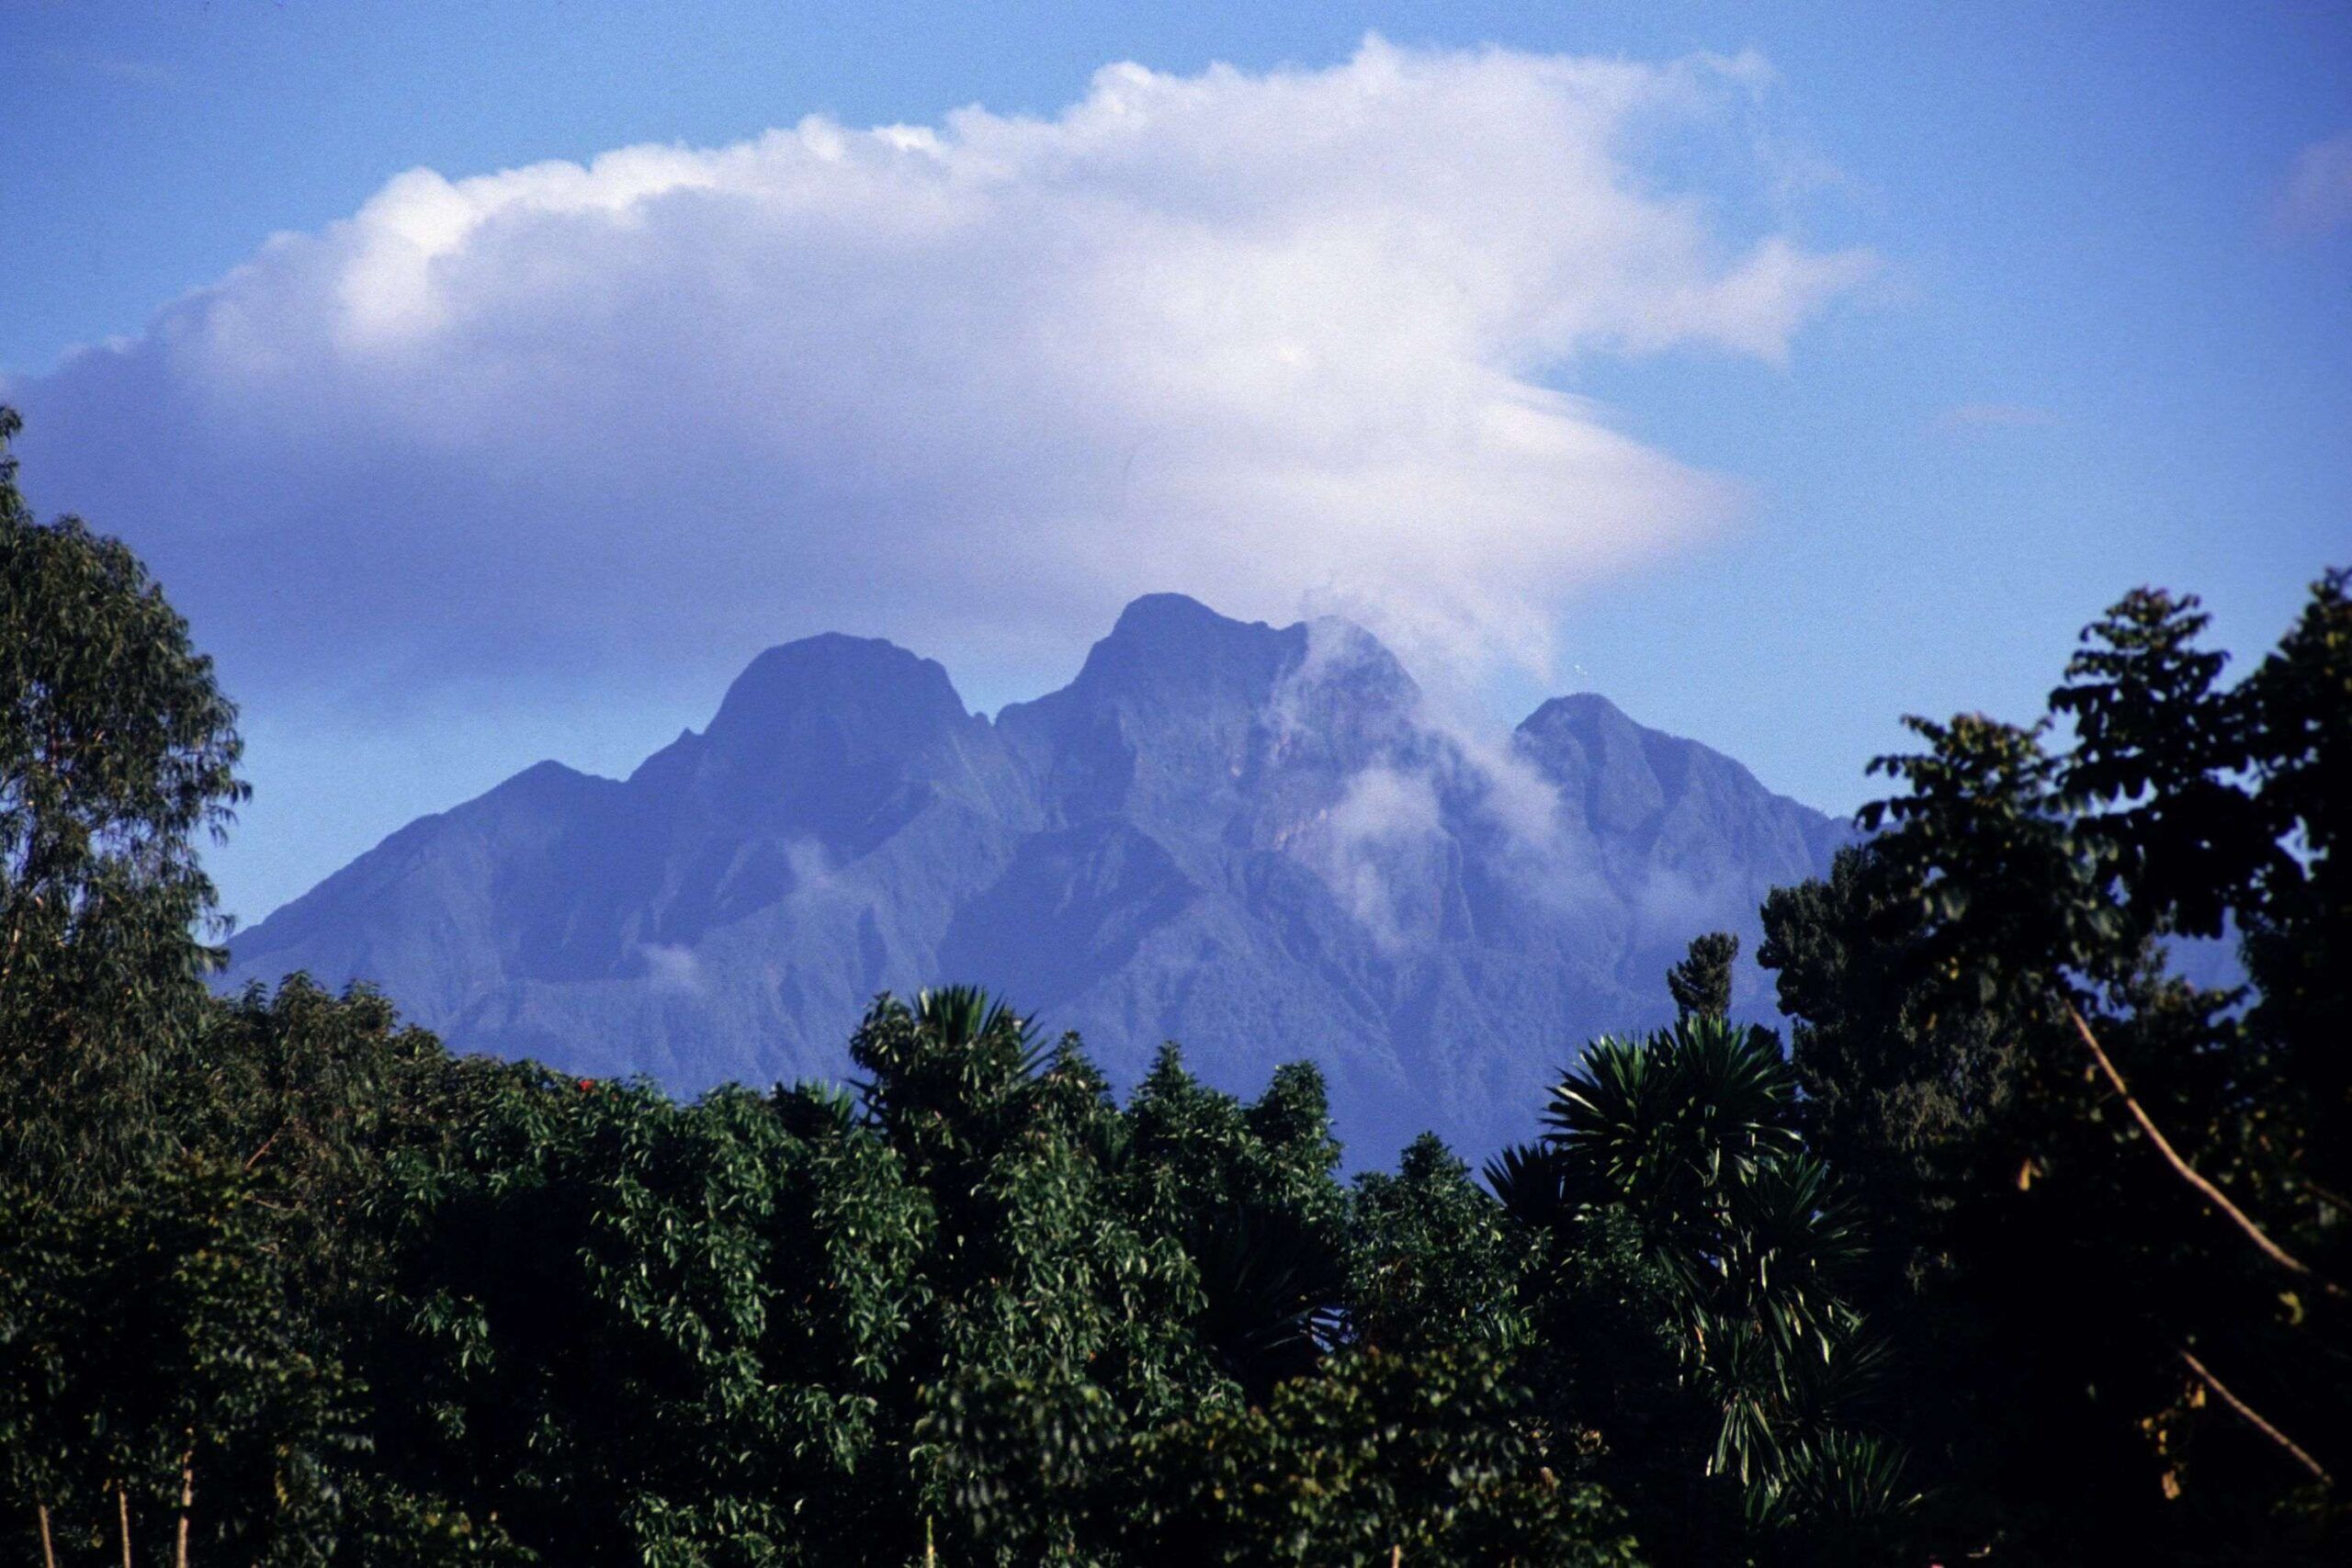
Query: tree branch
{"type": "Point", "coordinates": [2188, 1172]}
{"type": "Point", "coordinates": [254, 1158]}
{"type": "Point", "coordinates": [2327, 1195]}
{"type": "Point", "coordinates": [2253, 1419]}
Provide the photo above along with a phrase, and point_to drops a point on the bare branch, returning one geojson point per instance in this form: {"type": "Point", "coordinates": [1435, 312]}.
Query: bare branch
{"type": "Point", "coordinates": [254, 1158]}
{"type": "Point", "coordinates": [2253, 1419]}
{"type": "Point", "coordinates": [2189, 1173]}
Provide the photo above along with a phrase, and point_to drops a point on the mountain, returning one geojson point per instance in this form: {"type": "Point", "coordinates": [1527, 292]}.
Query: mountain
{"type": "Point", "coordinates": [1248, 839]}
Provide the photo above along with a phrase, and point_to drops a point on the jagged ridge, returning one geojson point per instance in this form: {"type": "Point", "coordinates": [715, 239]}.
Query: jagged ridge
{"type": "Point", "coordinates": [1237, 836]}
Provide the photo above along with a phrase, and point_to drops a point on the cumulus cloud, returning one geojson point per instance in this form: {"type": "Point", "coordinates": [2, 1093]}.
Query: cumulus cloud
{"type": "Point", "coordinates": [2318, 197]}
{"type": "Point", "coordinates": [1284, 339]}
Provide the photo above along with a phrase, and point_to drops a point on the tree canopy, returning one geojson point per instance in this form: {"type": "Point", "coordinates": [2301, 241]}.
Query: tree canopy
{"type": "Point", "coordinates": [1701, 982]}
{"type": "Point", "coordinates": [117, 751]}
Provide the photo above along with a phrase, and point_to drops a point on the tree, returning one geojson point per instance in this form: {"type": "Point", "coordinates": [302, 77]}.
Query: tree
{"type": "Point", "coordinates": [117, 750]}
{"type": "Point", "coordinates": [1250, 1193]}
{"type": "Point", "coordinates": [169, 1389]}
{"type": "Point", "coordinates": [1695, 1318]}
{"type": "Point", "coordinates": [1432, 1262]}
{"type": "Point", "coordinates": [1700, 984]}
{"type": "Point", "coordinates": [1986, 1023]}
{"type": "Point", "coordinates": [619, 1329]}
{"type": "Point", "coordinates": [1381, 1459]}
{"type": "Point", "coordinates": [1690, 1133]}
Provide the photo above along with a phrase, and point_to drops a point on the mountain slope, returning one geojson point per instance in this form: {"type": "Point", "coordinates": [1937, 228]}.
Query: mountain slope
{"type": "Point", "coordinates": [1245, 838]}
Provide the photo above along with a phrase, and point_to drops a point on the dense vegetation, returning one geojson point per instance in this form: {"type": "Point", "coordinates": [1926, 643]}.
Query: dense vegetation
{"type": "Point", "coordinates": [2017, 1248]}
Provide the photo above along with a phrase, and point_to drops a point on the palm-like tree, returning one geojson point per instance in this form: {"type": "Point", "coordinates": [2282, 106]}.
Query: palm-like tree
{"type": "Point", "coordinates": [1690, 1133]}
{"type": "Point", "coordinates": [950, 1077]}
{"type": "Point", "coordinates": [1269, 1291]}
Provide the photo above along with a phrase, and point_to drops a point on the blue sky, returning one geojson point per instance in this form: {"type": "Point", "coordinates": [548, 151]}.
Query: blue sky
{"type": "Point", "coordinates": [1870, 355]}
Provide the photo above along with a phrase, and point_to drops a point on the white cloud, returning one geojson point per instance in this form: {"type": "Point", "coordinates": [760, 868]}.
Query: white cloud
{"type": "Point", "coordinates": [1274, 339]}
{"type": "Point", "coordinates": [672, 968]}
{"type": "Point", "coordinates": [1378, 845]}
{"type": "Point", "coordinates": [2318, 197]}
{"type": "Point", "coordinates": [1440, 784]}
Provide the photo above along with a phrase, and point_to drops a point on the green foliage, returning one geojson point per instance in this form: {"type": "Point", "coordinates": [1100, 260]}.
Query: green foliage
{"type": "Point", "coordinates": [1701, 983]}
{"type": "Point", "coordinates": [1434, 1262]}
{"type": "Point", "coordinates": [161, 1349]}
{"type": "Point", "coordinates": [1991, 1047]}
{"type": "Point", "coordinates": [600, 1333]}
{"type": "Point", "coordinates": [1729, 1245]}
{"type": "Point", "coordinates": [1250, 1192]}
{"type": "Point", "coordinates": [1430, 1459]}
{"type": "Point", "coordinates": [115, 749]}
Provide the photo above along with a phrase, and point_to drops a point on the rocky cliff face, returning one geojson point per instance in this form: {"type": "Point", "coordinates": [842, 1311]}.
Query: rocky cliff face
{"type": "Point", "coordinates": [1243, 838]}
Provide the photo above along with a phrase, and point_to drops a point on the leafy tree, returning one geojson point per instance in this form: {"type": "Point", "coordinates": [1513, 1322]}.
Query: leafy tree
{"type": "Point", "coordinates": [1381, 1459]}
{"type": "Point", "coordinates": [117, 750]}
{"type": "Point", "coordinates": [194, 1414]}
{"type": "Point", "coordinates": [1696, 1319]}
{"type": "Point", "coordinates": [45, 1297]}
{"type": "Point", "coordinates": [630, 1330]}
{"type": "Point", "coordinates": [1691, 1133]}
{"type": "Point", "coordinates": [1432, 1261]}
{"type": "Point", "coordinates": [316, 1098]}
{"type": "Point", "coordinates": [1250, 1193]}
{"type": "Point", "coordinates": [1700, 984]}
{"type": "Point", "coordinates": [804, 1326]}
{"type": "Point", "coordinates": [1985, 1020]}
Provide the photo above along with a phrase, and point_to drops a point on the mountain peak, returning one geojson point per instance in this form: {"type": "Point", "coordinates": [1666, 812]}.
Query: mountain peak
{"type": "Point", "coordinates": [1577, 711]}
{"type": "Point", "coordinates": [1155, 615]}
{"type": "Point", "coordinates": [832, 738]}
{"type": "Point", "coordinates": [1168, 649]}
{"type": "Point", "coordinates": [1179, 626]}
{"type": "Point", "coordinates": [852, 678]}
{"type": "Point", "coordinates": [1174, 635]}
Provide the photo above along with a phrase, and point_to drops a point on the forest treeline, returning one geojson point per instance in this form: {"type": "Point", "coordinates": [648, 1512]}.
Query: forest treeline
{"type": "Point", "coordinates": [2017, 1248]}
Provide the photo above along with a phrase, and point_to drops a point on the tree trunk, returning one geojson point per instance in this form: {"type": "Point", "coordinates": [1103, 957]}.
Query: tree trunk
{"type": "Point", "coordinates": [122, 1508]}
{"type": "Point", "coordinates": [187, 1495]}
{"type": "Point", "coordinates": [48, 1545]}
